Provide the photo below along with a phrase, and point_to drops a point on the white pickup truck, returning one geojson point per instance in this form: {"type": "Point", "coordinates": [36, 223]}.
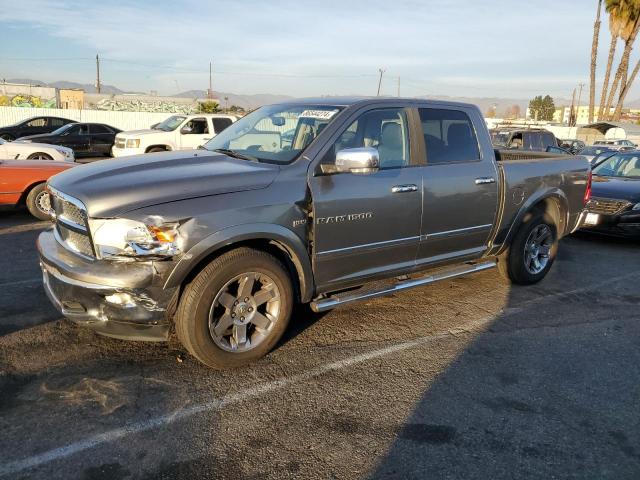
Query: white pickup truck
{"type": "Point", "coordinates": [178, 132]}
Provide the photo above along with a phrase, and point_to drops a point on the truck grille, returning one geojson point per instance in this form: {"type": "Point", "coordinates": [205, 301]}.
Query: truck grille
{"type": "Point", "coordinates": [607, 206]}
{"type": "Point", "coordinates": [71, 223]}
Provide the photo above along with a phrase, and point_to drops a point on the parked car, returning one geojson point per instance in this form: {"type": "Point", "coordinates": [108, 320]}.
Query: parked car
{"type": "Point", "coordinates": [220, 243]}
{"type": "Point", "coordinates": [616, 144]}
{"type": "Point", "coordinates": [572, 144]}
{"type": "Point", "coordinates": [85, 139]}
{"type": "Point", "coordinates": [34, 151]}
{"type": "Point", "coordinates": [32, 126]}
{"type": "Point", "coordinates": [614, 207]}
{"type": "Point", "coordinates": [178, 132]}
{"type": "Point", "coordinates": [590, 153]}
{"type": "Point", "coordinates": [22, 182]}
{"type": "Point", "coordinates": [524, 139]}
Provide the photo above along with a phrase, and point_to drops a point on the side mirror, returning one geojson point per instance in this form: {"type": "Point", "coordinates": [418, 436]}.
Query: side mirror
{"type": "Point", "coordinates": [186, 130]}
{"type": "Point", "coordinates": [357, 160]}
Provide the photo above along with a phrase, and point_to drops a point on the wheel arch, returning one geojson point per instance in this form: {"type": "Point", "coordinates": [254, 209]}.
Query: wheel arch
{"type": "Point", "coordinates": [550, 202]}
{"type": "Point", "coordinates": [277, 240]}
{"type": "Point", "coordinates": [165, 147]}
{"type": "Point", "coordinates": [27, 190]}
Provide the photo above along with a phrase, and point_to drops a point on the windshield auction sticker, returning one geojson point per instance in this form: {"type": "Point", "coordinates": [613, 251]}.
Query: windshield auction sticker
{"type": "Point", "coordinates": [319, 114]}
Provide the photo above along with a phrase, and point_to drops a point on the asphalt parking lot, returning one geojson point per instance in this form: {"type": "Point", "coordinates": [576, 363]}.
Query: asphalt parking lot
{"type": "Point", "coordinates": [469, 378]}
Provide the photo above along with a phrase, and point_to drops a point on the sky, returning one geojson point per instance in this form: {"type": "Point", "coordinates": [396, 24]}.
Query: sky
{"type": "Point", "coordinates": [478, 48]}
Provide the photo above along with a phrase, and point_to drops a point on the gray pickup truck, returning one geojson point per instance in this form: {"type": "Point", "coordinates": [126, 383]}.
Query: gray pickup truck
{"type": "Point", "coordinates": [323, 201]}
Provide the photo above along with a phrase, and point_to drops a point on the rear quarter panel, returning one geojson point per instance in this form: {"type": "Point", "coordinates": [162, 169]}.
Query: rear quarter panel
{"type": "Point", "coordinates": [527, 182]}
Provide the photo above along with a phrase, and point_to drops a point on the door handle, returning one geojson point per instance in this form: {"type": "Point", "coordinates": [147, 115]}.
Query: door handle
{"type": "Point", "coordinates": [485, 180]}
{"type": "Point", "coordinates": [404, 188]}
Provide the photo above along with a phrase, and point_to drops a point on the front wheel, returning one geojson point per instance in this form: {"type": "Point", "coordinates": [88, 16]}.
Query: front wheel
{"type": "Point", "coordinates": [39, 203]}
{"type": "Point", "coordinates": [532, 251]}
{"type": "Point", "coordinates": [236, 309]}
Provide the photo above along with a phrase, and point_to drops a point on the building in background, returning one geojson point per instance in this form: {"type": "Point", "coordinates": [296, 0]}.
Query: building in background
{"type": "Point", "coordinates": [71, 98]}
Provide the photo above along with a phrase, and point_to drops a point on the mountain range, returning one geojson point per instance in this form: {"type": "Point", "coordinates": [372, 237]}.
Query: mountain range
{"type": "Point", "coordinates": [256, 100]}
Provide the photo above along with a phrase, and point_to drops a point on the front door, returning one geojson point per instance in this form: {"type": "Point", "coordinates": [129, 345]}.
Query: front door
{"type": "Point", "coordinates": [460, 187]}
{"type": "Point", "coordinates": [194, 132]}
{"type": "Point", "coordinates": [368, 225]}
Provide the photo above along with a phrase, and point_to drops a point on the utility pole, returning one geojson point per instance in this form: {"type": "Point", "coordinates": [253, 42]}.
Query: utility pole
{"type": "Point", "coordinates": [210, 93]}
{"type": "Point", "coordinates": [97, 73]}
{"type": "Point", "coordinates": [579, 98]}
{"type": "Point", "coordinates": [398, 85]}
{"type": "Point", "coordinates": [381, 70]}
{"type": "Point", "coordinates": [572, 115]}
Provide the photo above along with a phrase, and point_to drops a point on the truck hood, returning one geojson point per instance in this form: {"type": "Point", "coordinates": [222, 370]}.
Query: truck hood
{"type": "Point", "coordinates": [616, 187]}
{"type": "Point", "coordinates": [142, 133]}
{"type": "Point", "coordinates": [109, 188]}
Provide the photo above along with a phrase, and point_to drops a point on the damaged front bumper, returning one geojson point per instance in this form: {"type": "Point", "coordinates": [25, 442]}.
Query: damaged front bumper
{"type": "Point", "coordinates": [121, 300]}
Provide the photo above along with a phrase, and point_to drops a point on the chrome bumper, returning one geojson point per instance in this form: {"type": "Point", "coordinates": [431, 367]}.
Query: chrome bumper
{"type": "Point", "coordinates": [118, 300]}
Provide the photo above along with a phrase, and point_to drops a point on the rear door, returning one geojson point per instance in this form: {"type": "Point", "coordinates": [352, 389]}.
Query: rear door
{"type": "Point", "coordinates": [101, 139]}
{"type": "Point", "coordinates": [460, 195]}
{"type": "Point", "coordinates": [220, 123]}
{"type": "Point", "coordinates": [366, 225]}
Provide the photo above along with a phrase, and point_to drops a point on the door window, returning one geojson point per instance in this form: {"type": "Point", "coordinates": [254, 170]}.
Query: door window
{"type": "Point", "coordinates": [57, 122]}
{"type": "Point", "coordinates": [96, 128]}
{"type": "Point", "coordinates": [219, 124]}
{"type": "Point", "coordinates": [385, 130]}
{"type": "Point", "coordinates": [449, 136]}
{"type": "Point", "coordinates": [197, 126]}
{"type": "Point", "coordinates": [83, 129]}
{"type": "Point", "coordinates": [37, 123]}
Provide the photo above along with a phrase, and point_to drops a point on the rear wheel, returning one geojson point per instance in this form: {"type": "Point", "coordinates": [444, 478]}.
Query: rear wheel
{"type": "Point", "coordinates": [40, 156]}
{"type": "Point", "coordinates": [532, 251]}
{"type": "Point", "coordinates": [156, 149]}
{"type": "Point", "coordinates": [6, 137]}
{"type": "Point", "coordinates": [236, 309]}
{"type": "Point", "coordinates": [38, 202]}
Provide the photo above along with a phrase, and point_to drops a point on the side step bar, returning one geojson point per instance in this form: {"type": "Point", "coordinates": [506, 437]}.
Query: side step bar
{"type": "Point", "coordinates": [333, 301]}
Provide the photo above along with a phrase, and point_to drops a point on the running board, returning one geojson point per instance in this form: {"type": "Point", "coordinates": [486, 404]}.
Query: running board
{"type": "Point", "coordinates": [324, 304]}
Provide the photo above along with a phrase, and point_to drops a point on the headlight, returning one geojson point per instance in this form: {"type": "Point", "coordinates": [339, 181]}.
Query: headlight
{"type": "Point", "coordinates": [65, 152]}
{"type": "Point", "coordinates": [122, 238]}
{"type": "Point", "coordinates": [133, 143]}
{"type": "Point", "coordinates": [636, 206]}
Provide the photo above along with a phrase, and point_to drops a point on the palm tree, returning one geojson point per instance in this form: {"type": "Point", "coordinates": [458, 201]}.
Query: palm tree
{"type": "Point", "coordinates": [594, 54]}
{"type": "Point", "coordinates": [614, 9]}
{"type": "Point", "coordinates": [629, 17]}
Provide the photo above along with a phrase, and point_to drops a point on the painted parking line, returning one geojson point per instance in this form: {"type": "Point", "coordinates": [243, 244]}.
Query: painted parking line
{"type": "Point", "coordinates": [24, 228]}
{"type": "Point", "coordinates": [21, 282]}
{"type": "Point", "coordinates": [12, 468]}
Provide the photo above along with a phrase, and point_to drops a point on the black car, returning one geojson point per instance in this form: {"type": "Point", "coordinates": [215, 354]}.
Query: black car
{"type": "Point", "coordinates": [85, 139]}
{"type": "Point", "coordinates": [524, 139]}
{"type": "Point", "coordinates": [614, 206]}
{"type": "Point", "coordinates": [32, 126]}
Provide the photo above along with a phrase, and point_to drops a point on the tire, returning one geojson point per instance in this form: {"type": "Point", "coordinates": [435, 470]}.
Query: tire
{"type": "Point", "coordinates": [37, 201]}
{"type": "Point", "coordinates": [213, 294]}
{"type": "Point", "coordinates": [156, 149]}
{"type": "Point", "coordinates": [6, 137]}
{"type": "Point", "coordinates": [40, 156]}
{"type": "Point", "coordinates": [518, 264]}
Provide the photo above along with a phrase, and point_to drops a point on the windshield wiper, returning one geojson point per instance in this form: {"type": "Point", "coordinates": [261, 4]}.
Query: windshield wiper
{"type": "Point", "coordinates": [235, 154]}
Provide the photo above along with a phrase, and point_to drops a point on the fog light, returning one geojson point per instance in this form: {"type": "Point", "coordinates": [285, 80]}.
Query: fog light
{"type": "Point", "coordinates": [121, 299]}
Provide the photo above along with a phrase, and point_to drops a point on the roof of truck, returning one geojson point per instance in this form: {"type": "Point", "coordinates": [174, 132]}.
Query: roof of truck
{"type": "Point", "coordinates": [353, 100]}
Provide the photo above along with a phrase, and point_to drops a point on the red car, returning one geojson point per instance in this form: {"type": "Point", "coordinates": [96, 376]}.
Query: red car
{"type": "Point", "coordinates": [22, 182]}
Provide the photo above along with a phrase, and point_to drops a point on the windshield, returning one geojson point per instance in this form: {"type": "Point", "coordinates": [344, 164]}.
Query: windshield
{"type": "Point", "coordinates": [499, 139]}
{"type": "Point", "coordinates": [62, 129]}
{"type": "Point", "coordinates": [170, 123]}
{"type": "Point", "coordinates": [619, 166]}
{"type": "Point", "coordinates": [276, 133]}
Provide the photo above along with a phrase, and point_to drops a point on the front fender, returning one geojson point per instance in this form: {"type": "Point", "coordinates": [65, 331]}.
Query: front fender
{"type": "Point", "coordinates": [281, 236]}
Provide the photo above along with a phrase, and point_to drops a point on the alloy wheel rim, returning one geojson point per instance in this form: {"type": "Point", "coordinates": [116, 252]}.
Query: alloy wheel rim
{"type": "Point", "coordinates": [537, 249]}
{"type": "Point", "coordinates": [244, 312]}
{"type": "Point", "coordinates": [43, 202]}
